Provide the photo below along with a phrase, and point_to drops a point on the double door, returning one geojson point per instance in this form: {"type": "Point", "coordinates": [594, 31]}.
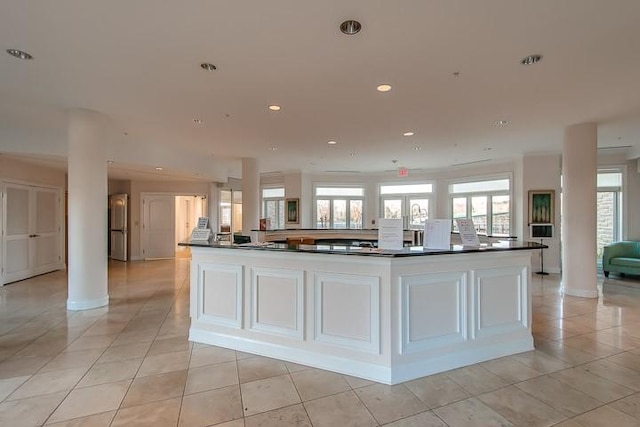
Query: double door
{"type": "Point", "coordinates": [413, 210]}
{"type": "Point", "coordinates": [31, 230]}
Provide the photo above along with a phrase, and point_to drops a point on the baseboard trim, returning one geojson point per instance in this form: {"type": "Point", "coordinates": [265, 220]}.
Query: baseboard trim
{"type": "Point", "coordinates": [583, 293]}
{"type": "Point", "coordinates": [400, 372]}
{"type": "Point", "coordinates": [88, 304]}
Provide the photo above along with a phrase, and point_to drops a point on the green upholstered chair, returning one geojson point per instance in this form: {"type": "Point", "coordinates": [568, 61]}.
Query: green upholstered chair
{"type": "Point", "coordinates": [621, 257]}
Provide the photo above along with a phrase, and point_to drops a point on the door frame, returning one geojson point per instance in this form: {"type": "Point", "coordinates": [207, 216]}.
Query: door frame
{"type": "Point", "coordinates": [144, 194]}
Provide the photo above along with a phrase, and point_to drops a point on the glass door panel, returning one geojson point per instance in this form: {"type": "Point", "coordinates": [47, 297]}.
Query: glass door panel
{"type": "Point", "coordinates": [418, 212]}
{"type": "Point", "coordinates": [500, 221]}
{"type": "Point", "coordinates": [459, 209]}
{"type": "Point", "coordinates": [392, 208]}
{"type": "Point", "coordinates": [323, 209]}
{"type": "Point", "coordinates": [340, 213]}
{"type": "Point", "coordinates": [479, 213]}
{"type": "Point", "coordinates": [355, 214]}
{"type": "Point", "coordinates": [280, 214]}
{"type": "Point", "coordinates": [271, 212]}
{"type": "Point", "coordinates": [606, 228]}
{"type": "Point", "coordinates": [225, 211]}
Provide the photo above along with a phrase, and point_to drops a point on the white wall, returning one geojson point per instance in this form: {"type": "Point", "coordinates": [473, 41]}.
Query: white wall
{"type": "Point", "coordinates": [13, 169]}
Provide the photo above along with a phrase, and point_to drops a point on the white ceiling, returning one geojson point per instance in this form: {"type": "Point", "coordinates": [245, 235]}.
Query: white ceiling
{"type": "Point", "coordinates": [138, 61]}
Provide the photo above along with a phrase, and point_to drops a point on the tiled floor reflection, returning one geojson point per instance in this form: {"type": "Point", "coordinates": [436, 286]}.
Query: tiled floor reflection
{"type": "Point", "coordinates": [131, 365]}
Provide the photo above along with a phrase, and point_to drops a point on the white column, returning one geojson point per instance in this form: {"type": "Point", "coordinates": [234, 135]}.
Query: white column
{"type": "Point", "coordinates": [579, 186]}
{"type": "Point", "coordinates": [250, 197]}
{"type": "Point", "coordinates": [88, 194]}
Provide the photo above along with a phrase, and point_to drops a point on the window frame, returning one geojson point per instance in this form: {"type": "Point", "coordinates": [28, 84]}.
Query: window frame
{"type": "Point", "coordinates": [279, 204]}
{"type": "Point", "coordinates": [405, 212]}
{"type": "Point", "coordinates": [489, 195]}
{"type": "Point", "coordinates": [619, 202]}
{"type": "Point", "coordinates": [332, 199]}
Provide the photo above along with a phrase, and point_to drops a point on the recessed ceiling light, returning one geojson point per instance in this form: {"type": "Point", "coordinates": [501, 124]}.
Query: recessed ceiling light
{"type": "Point", "coordinates": [274, 148]}
{"type": "Point", "coordinates": [19, 54]}
{"type": "Point", "coordinates": [531, 59]}
{"type": "Point", "coordinates": [159, 168]}
{"type": "Point", "coordinates": [502, 122]}
{"type": "Point", "coordinates": [350, 27]}
{"type": "Point", "coordinates": [332, 142]}
{"type": "Point", "coordinates": [198, 121]}
{"type": "Point", "coordinates": [207, 66]}
{"type": "Point", "coordinates": [409, 133]}
{"type": "Point", "coordinates": [417, 148]}
{"type": "Point", "coordinates": [274, 107]}
{"type": "Point", "coordinates": [384, 88]}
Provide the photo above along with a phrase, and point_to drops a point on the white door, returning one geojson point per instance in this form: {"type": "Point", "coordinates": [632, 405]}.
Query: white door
{"type": "Point", "coordinates": [46, 226]}
{"type": "Point", "coordinates": [188, 215]}
{"type": "Point", "coordinates": [17, 236]}
{"type": "Point", "coordinates": [118, 226]}
{"type": "Point", "coordinates": [158, 226]}
{"type": "Point", "coordinates": [184, 223]}
{"type": "Point", "coordinates": [32, 226]}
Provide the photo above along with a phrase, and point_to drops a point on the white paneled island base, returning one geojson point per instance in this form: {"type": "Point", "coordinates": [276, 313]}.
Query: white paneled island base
{"type": "Point", "coordinates": [384, 318]}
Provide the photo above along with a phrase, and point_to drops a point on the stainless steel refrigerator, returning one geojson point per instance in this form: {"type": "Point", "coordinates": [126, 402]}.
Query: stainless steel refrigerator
{"type": "Point", "coordinates": [118, 233]}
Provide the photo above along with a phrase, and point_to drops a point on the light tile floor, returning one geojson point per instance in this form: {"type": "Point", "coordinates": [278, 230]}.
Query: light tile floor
{"type": "Point", "coordinates": [131, 365]}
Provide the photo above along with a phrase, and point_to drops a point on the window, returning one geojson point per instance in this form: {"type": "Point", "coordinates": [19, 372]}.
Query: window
{"type": "Point", "coordinates": [273, 206]}
{"type": "Point", "coordinates": [609, 208]}
{"type": "Point", "coordinates": [488, 203]}
{"type": "Point", "coordinates": [339, 207]}
{"type": "Point", "coordinates": [411, 202]}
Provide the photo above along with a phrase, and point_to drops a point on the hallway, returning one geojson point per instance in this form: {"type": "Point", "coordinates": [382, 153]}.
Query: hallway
{"type": "Point", "coordinates": [131, 364]}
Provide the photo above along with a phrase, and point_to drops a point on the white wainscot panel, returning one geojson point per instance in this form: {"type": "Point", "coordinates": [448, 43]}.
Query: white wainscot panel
{"type": "Point", "coordinates": [433, 312]}
{"type": "Point", "coordinates": [277, 301]}
{"type": "Point", "coordinates": [221, 294]}
{"type": "Point", "coordinates": [500, 302]}
{"type": "Point", "coordinates": [347, 311]}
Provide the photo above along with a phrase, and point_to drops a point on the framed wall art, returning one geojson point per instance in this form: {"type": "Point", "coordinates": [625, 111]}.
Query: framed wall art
{"type": "Point", "coordinates": [292, 211]}
{"type": "Point", "coordinates": [541, 206]}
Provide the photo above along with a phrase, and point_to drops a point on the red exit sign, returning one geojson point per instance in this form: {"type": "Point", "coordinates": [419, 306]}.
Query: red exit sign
{"type": "Point", "coordinates": [402, 172]}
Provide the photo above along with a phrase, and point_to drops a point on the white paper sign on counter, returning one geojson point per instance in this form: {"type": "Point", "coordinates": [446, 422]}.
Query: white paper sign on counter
{"type": "Point", "coordinates": [201, 235]}
{"type": "Point", "coordinates": [203, 222]}
{"type": "Point", "coordinates": [437, 234]}
{"type": "Point", "coordinates": [390, 233]}
{"type": "Point", "coordinates": [468, 233]}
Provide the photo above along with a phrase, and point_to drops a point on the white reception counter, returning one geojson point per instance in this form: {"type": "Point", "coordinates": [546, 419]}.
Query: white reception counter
{"type": "Point", "coordinates": [387, 316]}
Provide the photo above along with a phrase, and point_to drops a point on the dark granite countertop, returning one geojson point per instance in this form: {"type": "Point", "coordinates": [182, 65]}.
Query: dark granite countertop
{"type": "Point", "coordinates": [506, 245]}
